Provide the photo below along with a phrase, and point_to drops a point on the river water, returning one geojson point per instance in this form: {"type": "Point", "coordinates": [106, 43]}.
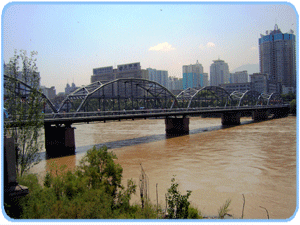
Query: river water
{"type": "Point", "coordinates": [257, 160]}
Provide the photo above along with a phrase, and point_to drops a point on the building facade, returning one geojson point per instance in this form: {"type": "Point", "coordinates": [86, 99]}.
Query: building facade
{"type": "Point", "coordinates": [49, 92]}
{"type": "Point", "coordinates": [107, 74]}
{"type": "Point", "coordinates": [277, 57]}
{"type": "Point", "coordinates": [193, 76]}
{"type": "Point", "coordinates": [219, 73]}
{"type": "Point", "coordinates": [240, 87]}
{"type": "Point", "coordinates": [260, 82]}
{"type": "Point", "coordinates": [70, 88]}
{"type": "Point", "coordinates": [175, 83]}
{"type": "Point", "coordinates": [159, 76]}
{"type": "Point", "coordinates": [239, 77]}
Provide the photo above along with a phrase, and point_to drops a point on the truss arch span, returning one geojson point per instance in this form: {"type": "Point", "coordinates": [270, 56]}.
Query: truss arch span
{"type": "Point", "coordinates": [122, 94]}
{"type": "Point", "coordinates": [249, 98]}
{"type": "Point", "coordinates": [185, 96]}
{"type": "Point", "coordinates": [210, 96]}
{"type": "Point", "coordinates": [75, 98]}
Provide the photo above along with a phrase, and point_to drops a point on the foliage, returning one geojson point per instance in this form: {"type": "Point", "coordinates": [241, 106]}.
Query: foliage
{"type": "Point", "coordinates": [194, 213]}
{"type": "Point", "coordinates": [92, 190]}
{"type": "Point", "coordinates": [288, 97]}
{"type": "Point", "coordinates": [24, 106]}
{"type": "Point", "coordinates": [177, 204]}
{"type": "Point", "coordinates": [99, 168]}
{"type": "Point", "coordinates": [224, 209]}
{"type": "Point", "coordinates": [293, 107]}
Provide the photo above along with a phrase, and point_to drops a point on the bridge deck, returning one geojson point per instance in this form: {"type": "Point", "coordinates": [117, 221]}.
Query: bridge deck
{"type": "Point", "coordinates": [143, 114]}
{"type": "Point", "coordinates": [86, 117]}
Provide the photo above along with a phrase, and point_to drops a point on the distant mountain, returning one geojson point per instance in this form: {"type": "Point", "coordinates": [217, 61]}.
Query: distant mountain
{"type": "Point", "coordinates": [251, 68]}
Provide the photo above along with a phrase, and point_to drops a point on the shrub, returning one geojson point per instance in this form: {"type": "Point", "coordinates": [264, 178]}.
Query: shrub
{"type": "Point", "coordinates": [194, 213]}
{"type": "Point", "coordinates": [224, 209]}
{"type": "Point", "coordinates": [177, 204]}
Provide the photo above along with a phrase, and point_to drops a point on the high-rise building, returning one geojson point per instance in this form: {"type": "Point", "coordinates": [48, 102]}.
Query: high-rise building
{"type": "Point", "coordinates": [204, 80]}
{"type": "Point", "coordinates": [219, 73]}
{"type": "Point", "coordinates": [159, 76]}
{"type": "Point", "coordinates": [277, 57]}
{"type": "Point", "coordinates": [192, 75]}
{"type": "Point", "coordinates": [175, 83]}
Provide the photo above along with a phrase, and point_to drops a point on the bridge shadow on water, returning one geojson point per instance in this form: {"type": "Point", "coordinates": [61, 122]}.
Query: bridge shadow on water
{"type": "Point", "coordinates": [144, 140]}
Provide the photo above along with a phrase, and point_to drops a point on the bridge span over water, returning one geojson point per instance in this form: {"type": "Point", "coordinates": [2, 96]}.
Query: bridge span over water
{"type": "Point", "coordinates": [140, 99]}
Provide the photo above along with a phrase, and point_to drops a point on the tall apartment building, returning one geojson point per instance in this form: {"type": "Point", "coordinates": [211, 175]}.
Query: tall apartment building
{"type": "Point", "coordinates": [219, 73]}
{"type": "Point", "coordinates": [107, 74]}
{"type": "Point", "coordinates": [277, 57]}
{"type": "Point", "coordinates": [159, 76]}
{"type": "Point", "coordinates": [175, 83]}
{"type": "Point", "coordinates": [239, 77]}
{"type": "Point", "coordinates": [193, 76]}
{"type": "Point", "coordinates": [204, 80]}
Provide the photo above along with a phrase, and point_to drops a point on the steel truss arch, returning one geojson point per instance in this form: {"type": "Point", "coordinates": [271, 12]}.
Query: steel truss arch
{"type": "Point", "coordinates": [79, 94]}
{"type": "Point", "coordinates": [210, 96]}
{"type": "Point", "coordinates": [236, 98]}
{"type": "Point", "coordinates": [249, 98]}
{"type": "Point", "coordinates": [275, 99]}
{"type": "Point", "coordinates": [185, 96]}
{"type": "Point", "coordinates": [27, 88]}
{"type": "Point", "coordinates": [123, 94]}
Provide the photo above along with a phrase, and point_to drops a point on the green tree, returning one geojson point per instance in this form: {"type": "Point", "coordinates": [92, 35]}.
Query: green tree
{"type": "Point", "coordinates": [24, 106]}
{"type": "Point", "coordinates": [178, 204]}
{"type": "Point", "coordinates": [99, 166]}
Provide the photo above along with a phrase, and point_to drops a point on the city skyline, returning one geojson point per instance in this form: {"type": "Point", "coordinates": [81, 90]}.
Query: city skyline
{"type": "Point", "coordinates": [71, 39]}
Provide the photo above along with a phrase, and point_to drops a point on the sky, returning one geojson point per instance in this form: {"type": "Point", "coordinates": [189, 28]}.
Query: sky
{"type": "Point", "coordinates": [73, 38]}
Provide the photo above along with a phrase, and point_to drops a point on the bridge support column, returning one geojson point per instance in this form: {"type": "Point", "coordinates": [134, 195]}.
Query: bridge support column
{"type": "Point", "coordinates": [177, 126]}
{"type": "Point", "coordinates": [231, 118]}
{"type": "Point", "coordinates": [59, 140]}
{"type": "Point", "coordinates": [260, 115]}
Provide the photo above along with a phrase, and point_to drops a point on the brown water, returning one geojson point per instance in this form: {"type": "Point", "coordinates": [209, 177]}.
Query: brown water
{"type": "Point", "coordinates": [256, 159]}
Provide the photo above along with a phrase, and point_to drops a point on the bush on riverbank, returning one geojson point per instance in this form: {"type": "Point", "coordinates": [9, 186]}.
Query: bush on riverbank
{"type": "Point", "coordinates": [293, 107]}
{"type": "Point", "coordinates": [92, 191]}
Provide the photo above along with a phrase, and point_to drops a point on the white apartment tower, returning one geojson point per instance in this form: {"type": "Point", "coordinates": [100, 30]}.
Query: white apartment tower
{"type": "Point", "coordinates": [219, 73]}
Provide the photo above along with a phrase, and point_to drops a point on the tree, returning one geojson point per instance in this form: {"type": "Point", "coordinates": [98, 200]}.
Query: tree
{"type": "Point", "coordinates": [24, 105]}
{"type": "Point", "coordinates": [99, 166]}
{"type": "Point", "coordinates": [178, 204]}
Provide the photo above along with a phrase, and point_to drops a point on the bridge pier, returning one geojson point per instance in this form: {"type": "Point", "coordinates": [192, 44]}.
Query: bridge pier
{"type": "Point", "coordinates": [59, 140]}
{"type": "Point", "coordinates": [260, 115]}
{"type": "Point", "coordinates": [280, 113]}
{"type": "Point", "coordinates": [177, 126]}
{"type": "Point", "coordinates": [231, 118]}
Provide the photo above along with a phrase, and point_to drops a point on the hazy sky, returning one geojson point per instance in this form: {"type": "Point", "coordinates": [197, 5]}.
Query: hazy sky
{"type": "Point", "coordinates": [71, 39]}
